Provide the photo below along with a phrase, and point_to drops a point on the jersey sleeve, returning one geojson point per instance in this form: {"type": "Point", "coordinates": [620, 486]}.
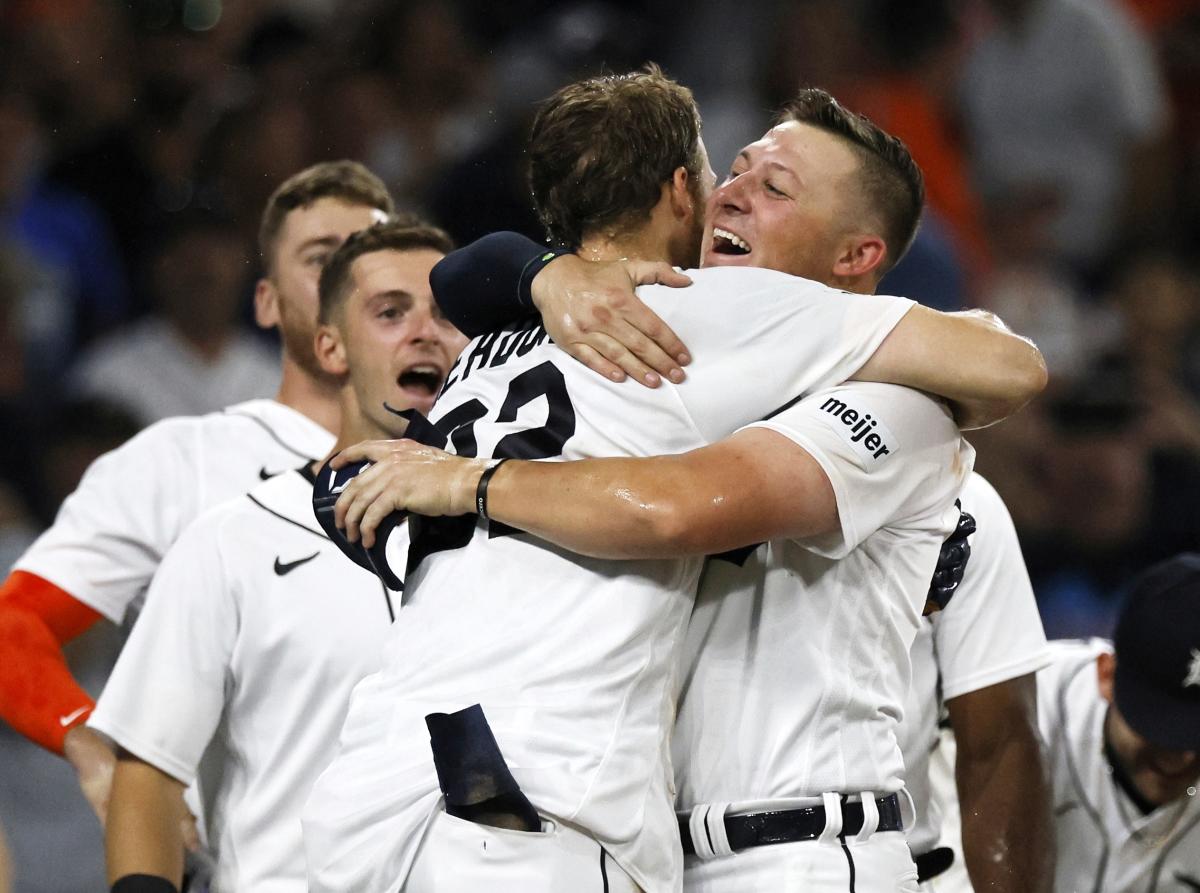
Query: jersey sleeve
{"type": "Point", "coordinates": [39, 697]}
{"type": "Point", "coordinates": [166, 693]}
{"type": "Point", "coordinates": [894, 457]}
{"type": "Point", "coordinates": [111, 533]}
{"type": "Point", "coordinates": [761, 340]}
{"type": "Point", "coordinates": [991, 631]}
{"type": "Point", "coordinates": [484, 286]}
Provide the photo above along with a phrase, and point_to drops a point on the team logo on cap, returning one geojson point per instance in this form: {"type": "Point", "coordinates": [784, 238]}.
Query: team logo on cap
{"type": "Point", "coordinates": [1193, 673]}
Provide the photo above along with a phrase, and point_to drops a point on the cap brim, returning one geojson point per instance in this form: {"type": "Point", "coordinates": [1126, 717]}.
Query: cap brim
{"type": "Point", "coordinates": [1166, 720]}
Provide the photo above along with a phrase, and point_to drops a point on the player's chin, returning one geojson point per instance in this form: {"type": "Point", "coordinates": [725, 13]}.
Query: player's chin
{"type": "Point", "coordinates": [402, 399]}
{"type": "Point", "coordinates": [1161, 785]}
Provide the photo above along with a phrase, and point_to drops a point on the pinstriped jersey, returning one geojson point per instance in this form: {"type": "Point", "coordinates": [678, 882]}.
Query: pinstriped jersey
{"type": "Point", "coordinates": [573, 659]}
{"type": "Point", "coordinates": [1105, 843]}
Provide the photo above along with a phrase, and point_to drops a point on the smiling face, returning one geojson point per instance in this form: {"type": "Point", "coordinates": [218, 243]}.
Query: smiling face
{"type": "Point", "coordinates": [389, 336]}
{"type": "Point", "coordinates": [288, 296]}
{"type": "Point", "coordinates": [788, 204]}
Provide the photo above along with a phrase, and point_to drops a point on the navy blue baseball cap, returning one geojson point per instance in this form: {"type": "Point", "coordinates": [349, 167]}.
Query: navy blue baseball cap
{"type": "Point", "coordinates": [1157, 643]}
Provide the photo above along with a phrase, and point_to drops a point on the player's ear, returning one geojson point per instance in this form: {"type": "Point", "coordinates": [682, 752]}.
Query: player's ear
{"type": "Point", "coordinates": [1106, 668]}
{"type": "Point", "coordinates": [266, 304]}
{"type": "Point", "coordinates": [859, 257]}
{"type": "Point", "coordinates": [330, 350]}
{"type": "Point", "coordinates": [682, 195]}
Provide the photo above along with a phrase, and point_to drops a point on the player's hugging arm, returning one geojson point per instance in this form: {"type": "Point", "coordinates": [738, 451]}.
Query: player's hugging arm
{"type": "Point", "coordinates": [590, 310]}
{"type": "Point", "coordinates": [757, 484]}
{"type": "Point", "coordinates": [971, 358]}
{"type": "Point", "coordinates": [708, 500]}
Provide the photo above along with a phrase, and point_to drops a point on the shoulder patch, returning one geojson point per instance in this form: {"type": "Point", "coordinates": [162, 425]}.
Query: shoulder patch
{"type": "Point", "coordinates": [871, 439]}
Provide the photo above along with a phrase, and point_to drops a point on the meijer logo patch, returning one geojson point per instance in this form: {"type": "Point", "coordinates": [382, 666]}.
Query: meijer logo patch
{"type": "Point", "coordinates": [870, 438]}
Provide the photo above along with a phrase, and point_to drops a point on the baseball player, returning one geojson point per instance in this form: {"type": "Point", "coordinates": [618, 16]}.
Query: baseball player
{"type": "Point", "coordinates": [989, 644]}
{"type": "Point", "coordinates": [978, 657]}
{"type": "Point", "coordinates": [577, 676]}
{"type": "Point", "coordinates": [1122, 723]}
{"type": "Point", "coordinates": [256, 628]}
{"type": "Point", "coordinates": [97, 559]}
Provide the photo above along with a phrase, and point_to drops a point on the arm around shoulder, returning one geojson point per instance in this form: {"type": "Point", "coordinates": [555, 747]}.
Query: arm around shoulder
{"type": "Point", "coordinates": [971, 358]}
{"type": "Point", "coordinates": [753, 486]}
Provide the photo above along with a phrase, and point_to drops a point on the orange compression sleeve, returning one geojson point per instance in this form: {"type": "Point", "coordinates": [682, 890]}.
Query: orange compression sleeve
{"type": "Point", "coordinates": [38, 695]}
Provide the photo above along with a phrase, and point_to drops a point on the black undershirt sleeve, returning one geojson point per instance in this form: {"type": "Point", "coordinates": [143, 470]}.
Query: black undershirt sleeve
{"type": "Point", "coordinates": [486, 285]}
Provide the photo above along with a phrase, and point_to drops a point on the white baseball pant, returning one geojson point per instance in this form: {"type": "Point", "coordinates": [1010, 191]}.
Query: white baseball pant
{"type": "Point", "coordinates": [457, 855]}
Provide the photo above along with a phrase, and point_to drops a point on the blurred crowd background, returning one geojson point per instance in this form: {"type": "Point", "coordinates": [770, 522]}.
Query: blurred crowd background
{"type": "Point", "coordinates": [1060, 140]}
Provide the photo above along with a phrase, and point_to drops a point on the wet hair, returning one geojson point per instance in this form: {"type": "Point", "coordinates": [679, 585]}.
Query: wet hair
{"type": "Point", "coordinates": [602, 148]}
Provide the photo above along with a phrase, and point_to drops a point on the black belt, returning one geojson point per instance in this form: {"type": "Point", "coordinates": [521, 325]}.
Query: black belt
{"type": "Point", "coordinates": [791, 825]}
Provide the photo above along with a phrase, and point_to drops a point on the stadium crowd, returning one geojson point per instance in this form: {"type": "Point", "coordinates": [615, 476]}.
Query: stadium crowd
{"type": "Point", "coordinates": [140, 139]}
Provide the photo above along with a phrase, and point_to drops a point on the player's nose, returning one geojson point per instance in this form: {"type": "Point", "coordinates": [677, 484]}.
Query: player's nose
{"type": "Point", "coordinates": [732, 195]}
{"type": "Point", "coordinates": [426, 325]}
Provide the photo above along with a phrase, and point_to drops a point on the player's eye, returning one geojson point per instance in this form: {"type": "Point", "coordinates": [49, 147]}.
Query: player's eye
{"type": "Point", "coordinates": [774, 190]}
{"type": "Point", "coordinates": [317, 260]}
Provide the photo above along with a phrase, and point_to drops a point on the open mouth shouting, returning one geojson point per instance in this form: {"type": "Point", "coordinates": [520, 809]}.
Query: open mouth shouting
{"type": "Point", "coordinates": [419, 385]}
{"type": "Point", "coordinates": [729, 243]}
{"type": "Point", "coordinates": [422, 378]}
{"type": "Point", "coordinates": [421, 381]}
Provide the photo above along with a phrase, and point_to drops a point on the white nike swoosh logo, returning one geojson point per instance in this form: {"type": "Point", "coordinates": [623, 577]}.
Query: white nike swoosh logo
{"type": "Point", "coordinates": [71, 717]}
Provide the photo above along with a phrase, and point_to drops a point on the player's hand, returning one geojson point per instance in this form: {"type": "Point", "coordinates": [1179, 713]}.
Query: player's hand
{"type": "Point", "coordinates": [404, 475]}
{"type": "Point", "coordinates": [591, 312]}
{"type": "Point", "coordinates": [94, 761]}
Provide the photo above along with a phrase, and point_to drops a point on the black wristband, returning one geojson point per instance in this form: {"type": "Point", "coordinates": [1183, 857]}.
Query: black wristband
{"type": "Point", "coordinates": [534, 266]}
{"type": "Point", "coordinates": [143, 883]}
{"type": "Point", "coordinates": [482, 487]}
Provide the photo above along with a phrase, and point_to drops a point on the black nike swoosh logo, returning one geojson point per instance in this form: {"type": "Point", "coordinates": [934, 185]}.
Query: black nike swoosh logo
{"type": "Point", "coordinates": [281, 568]}
{"type": "Point", "coordinates": [1190, 882]}
{"type": "Point", "coordinates": [264, 475]}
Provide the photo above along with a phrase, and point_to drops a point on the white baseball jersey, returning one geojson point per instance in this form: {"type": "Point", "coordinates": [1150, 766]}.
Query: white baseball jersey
{"type": "Point", "coordinates": [255, 630]}
{"type": "Point", "coordinates": [797, 650]}
{"type": "Point", "coordinates": [990, 632]}
{"type": "Point", "coordinates": [135, 501]}
{"type": "Point", "coordinates": [573, 659]}
{"type": "Point", "coordinates": [1105, 843]}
